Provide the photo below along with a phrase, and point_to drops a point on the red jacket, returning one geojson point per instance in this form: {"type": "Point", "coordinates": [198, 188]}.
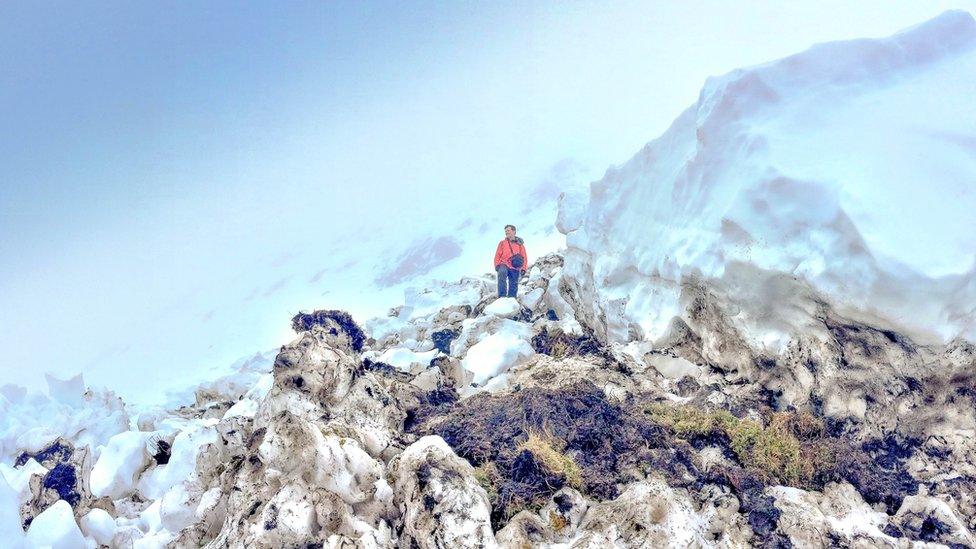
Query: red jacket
{"type": "Point", "coordinates": [504, 253]}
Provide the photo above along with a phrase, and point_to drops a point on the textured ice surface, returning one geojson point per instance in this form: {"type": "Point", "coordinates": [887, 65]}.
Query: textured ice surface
{"type": "Point", "coordinates": [850, 165]}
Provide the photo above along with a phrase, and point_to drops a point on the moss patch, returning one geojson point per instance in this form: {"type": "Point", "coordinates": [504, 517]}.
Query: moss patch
{"type": "Point", "coordinates": [529, 444]}
{"type": "Point", "coordinates": [797, 449]}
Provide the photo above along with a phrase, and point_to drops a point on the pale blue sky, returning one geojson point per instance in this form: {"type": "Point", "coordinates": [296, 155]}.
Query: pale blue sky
{"type": "Point", "coordinates": [172, 175]}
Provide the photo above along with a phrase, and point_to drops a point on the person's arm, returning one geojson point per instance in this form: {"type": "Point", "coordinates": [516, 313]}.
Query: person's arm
{"type": "Point", "coordinates": [525, 254]}
{"type": "Point", "coordinates": [498, 255]}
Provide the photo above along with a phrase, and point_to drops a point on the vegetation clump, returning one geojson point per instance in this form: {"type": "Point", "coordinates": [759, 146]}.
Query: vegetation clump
{"type": "Point", "coordinates": [559, 344]}
{"type": "Point", "coordinates": [489, 478]}
{"type": "Point", "coordinates": [796, 449]}
{"type": "Point", "coordinates": [303, 322]}
{"type": "Point", "coordinates": [774, 451]}
{"type": "Point", "coordinates": [528, 444]}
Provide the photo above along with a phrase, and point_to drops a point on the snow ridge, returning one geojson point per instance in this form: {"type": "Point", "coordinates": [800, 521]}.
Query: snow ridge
{"type": "Point", "coordinates": [849, 166]}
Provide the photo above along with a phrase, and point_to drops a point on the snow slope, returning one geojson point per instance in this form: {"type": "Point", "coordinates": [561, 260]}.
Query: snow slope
{"type": "Point", "coordinates": [851, 166]}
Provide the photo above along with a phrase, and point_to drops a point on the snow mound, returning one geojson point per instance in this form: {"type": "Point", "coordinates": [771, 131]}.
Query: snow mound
{"type": "Point", "coordinates": [56, 528]}
{"type": "Point", "coordinates": [849, 166]}
{"type": "Point", "coordinates": [504, 306]}
{"type": "Point", "coordinates": [120, 461]}
{"type": "Point", "coordinates": [98, 525]}
{"type": "Point", "coordinates": [30, 421]}
{"type": "Point", "coordinates": [496, 353]}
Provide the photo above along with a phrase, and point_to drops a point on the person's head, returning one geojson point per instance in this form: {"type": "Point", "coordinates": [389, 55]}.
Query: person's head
{"type": "Point", "coordinates": [509, 231]}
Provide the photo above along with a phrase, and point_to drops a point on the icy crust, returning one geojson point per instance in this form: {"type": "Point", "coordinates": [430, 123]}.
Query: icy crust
{"type": "Point", "coordinates": [849, 166]}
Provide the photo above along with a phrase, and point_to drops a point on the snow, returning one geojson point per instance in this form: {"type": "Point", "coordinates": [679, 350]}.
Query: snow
{"type": "Point", "coordinates": [13, 393]}
{"type": "Point", "coordinates": [474, 330]}
{"type": "Point", "coordinates": [10, 530]}
{"type": "Point", "coordinates": [122, 460]}
{"type": "Point", "coordinates": [182, 461]}
{"type": "Point", "coordinates": [99, 526]}
{"type": "Point", "coordinates": [245, 407]}
{"type": "Point", "coordinates": [56, 528]}
{"type": "Point", "coordinates": [848, 166]}
{"type": "Point", "coordinates": [114, 474]}
{"type": "Point", "coordinates": [530, 300]}
{"type": "Point", "coordinates": [18, 478]}
{"type": "Point", "coordinates": [572, 210]}
{"type": "Point", "coordinates": [177, 509]}
{"type": "Point", "coordinates": [224, 382]}
{"type": "Point", "coordinates": [343, 468]}
{"type": "Point", "coordinates": [154, 540]}
{"type": "Point", "coordinates": [495, 354]}
{"type": "Point", "coordinates": [66, 391]}
{"type": "Point", "coordinates": [30, 421]}
{"type": "Point", "coordinates": [672, 367]}
{"type": "Point", "coordinates": [428, 300]}
{"type": "Point", "coordinates": [404, 359]}
{"type": "Point", "coordinates": [248, 405]}
{"type": "Point", "coordinates": [504, 306]}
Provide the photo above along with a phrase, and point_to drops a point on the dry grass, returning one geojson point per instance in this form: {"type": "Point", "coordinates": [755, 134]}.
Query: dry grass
{"type": "Point", "coordinates": [557, 521]}
{"type": "Point", "coordinates": [548, 451]}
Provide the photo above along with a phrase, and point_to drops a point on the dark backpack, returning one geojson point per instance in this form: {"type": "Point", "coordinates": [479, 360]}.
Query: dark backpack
{"type": "Point", "coordinates": [517, 259]}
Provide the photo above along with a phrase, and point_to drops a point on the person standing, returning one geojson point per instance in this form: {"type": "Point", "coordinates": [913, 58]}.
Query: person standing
{"type": "Point", "coordinates": [510, 262]}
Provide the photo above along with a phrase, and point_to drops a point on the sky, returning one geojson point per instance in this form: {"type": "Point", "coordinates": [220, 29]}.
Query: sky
{"type": "Point", "coordinates": [178, 179]}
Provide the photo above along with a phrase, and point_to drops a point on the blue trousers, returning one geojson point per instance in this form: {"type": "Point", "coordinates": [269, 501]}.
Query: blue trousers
{"type": "Point", "coordinates": [507, 281]}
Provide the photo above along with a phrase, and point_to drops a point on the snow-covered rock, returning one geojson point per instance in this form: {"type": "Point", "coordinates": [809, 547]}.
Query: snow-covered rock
{"type": "Point", "coordinates": [182, 460]}
{"type": "Point", "coordinates": [812, 519]}
{"type": "Point", "coordinates": [934, 516]}
{"type": "Point", "coordinates": [406, 359]}
{"type": "Point", "coordinates": [304, 466]}
{"type": "Point", "coordinates": [495, 354]}
{"type": "Point", "coordinates": [440, 501]}
{"type": "Point", "coordinates": [647, 514]}
{"type": "Point", "coordinates": [506, 307]}
{"type": "Point", "coordinates": [66, 479]}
